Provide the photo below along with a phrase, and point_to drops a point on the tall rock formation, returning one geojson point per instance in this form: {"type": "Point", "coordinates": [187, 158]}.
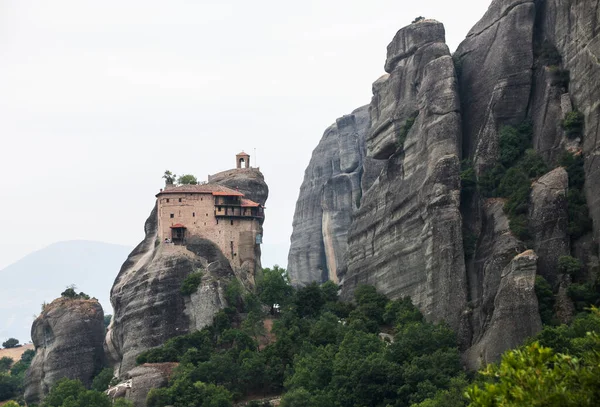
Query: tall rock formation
{"type": "Point", "coordinates": [149, 307]}
{"type": "Point", "coordinates": [525, 61]}
{"type": "Point", "coordinates": [573, 27]}
{"type": "Point", "coordinates": [337, 176]}
{"type": "Point", "coordinates": [68, 337]}
{"type": "Point", "coordinates": [495, 62]}
{"type": "Point", "coordinates": [406, 238]}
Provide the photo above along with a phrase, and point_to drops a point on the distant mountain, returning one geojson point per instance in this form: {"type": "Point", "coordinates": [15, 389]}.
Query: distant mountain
{"type": "Point", "coordinates": [42, 275]}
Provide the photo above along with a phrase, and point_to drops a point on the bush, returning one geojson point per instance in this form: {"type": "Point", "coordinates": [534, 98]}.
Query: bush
{"type": "Point", "coordinates": [416, 20]}
{"type": "Point", "coordinates": [579, 219]}
{"type": "Point", "coordinates": [11, 343]}
{"type": "Point", "coordinates": [191, 282]}
{"type": "Point", "coordinates": [5, 364]}
{"type": "Point", "coordinates": [559, 77]}
{"type": "Point", "coordinates": [70, 293]}
{"type": "Point", "coordinates": [573, 124]}
{"type": "Point", "coordinates": [533, 164]}
{"type": "Point", "coordinates": [102, 380]}
{"type": "Point", "coordinates": [584, 295]}
{"type": "Point", "coordinates": [549, 55]}
{"type": "Point", "coordinates": [569, 265]}
{"type": "Point", "coordinates": [404, 129]}
{"type": "Point", "coordinates": [546, 300]}
{"type": "Point", "coordinates": [468, 180]}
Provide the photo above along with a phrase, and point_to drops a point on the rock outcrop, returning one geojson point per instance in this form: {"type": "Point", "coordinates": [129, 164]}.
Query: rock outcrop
{"type": "Point", "coordinates": [148, 305]}
{"type": "Point", "coordinates": [406, 237]}
{"type": "Point", "coordinates": [549, 221]}
{"type": "Point", "coordinates": [496, 247]}
{"type": "Point", "coordinates": [515, 315]}
{"type": "Point", "coordinates": [140, 380]}
{"type": "Point", "coordinates": [68, 337]}
{"type": "Point", "coordinates": [337, 176]}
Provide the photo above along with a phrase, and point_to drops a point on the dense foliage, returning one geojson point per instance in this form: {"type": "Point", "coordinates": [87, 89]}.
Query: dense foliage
{"type": "Point", "coordinates": [72, 393]}
{"type": "Point", "coordinates": [573, 124]}
{"type": "Point", "coordinates": [561, 368]}
{"type": "Point", "coordinates": [326, 352]}
{"type": "Point", "coordinates": [12, 375]}
{"type": "Point", "coordinates": [579, 219]}
{"type": "Point", "coordinates": [511, 177]}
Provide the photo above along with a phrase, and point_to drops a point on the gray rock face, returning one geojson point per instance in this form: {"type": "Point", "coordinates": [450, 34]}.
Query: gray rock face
{"type": "Point", "coordinates": [495, 250]}
{"type": "Point", "coordinates": [406, 237]}
{"type": "Point", "coordinates": [331, 191]}
{"type": "Point", "coordinates": [495, 62]}
{"type": "Point", "coordinates": [549, 221]}
{"type": "Point", "coordinates": [149, 307]}
{"type": "Point", "coordinates": [249, 181]}
{"type": "Point", "coordinates": [573, 27]}
{"type": "Point", "coordinates": [68, 338]}
{"type": "Point", "coordinates": [515, 316]}
{"type": "Point", "coordinates": [140, 380]}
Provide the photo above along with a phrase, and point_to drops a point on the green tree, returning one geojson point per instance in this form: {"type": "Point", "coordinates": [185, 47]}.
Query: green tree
{"type": "Point", "coordinates": [107, 319]}
{"type": "Point", "coordinates": [537, 376]}
{"type": "Point", "coordinates": [11, 343]}
{"type": "Point", "coordinates": [569, 265]}
{"type": "Point", "coordinates": [273, 287]}
{"type": "Point", "coordinates": [72, 393]}
{"type": "Point", "coordinates": [169, 177]}
{"type": "Point", "coordinates": [5, 364]}
{"type": "Point", "coordinates": [102, 380]}
{"type": "Point", "coordinates": [187, 179]}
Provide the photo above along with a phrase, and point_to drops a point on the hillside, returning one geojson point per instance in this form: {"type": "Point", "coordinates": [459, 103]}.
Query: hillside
{"type": "Point", "coordinates": [41, 276]}
{"type": "Point", "coordinates": [15, 353]}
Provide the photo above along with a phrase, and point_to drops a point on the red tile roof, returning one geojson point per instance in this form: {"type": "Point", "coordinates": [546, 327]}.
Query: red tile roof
{"type": "Point", "coordinates": [250, 204]}
{"type": "Point", "coordinates": [177, 226]}
{"type": "Point", "coordinates": [213, 189]}
{"type": "Point", "coordinates": [243, 153]}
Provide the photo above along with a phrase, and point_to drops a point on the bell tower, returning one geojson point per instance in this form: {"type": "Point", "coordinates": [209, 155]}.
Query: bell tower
{"type": "Point", "coordinates": [242, 160]}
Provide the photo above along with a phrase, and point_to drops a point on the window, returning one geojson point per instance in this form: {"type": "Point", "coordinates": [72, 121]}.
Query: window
{"type": "Point", "coordinates": [231, 222]}
{"type": "Point", "coordinates": [193, 214]}
{"type": "Point", "coordinates": [172, 215]}
{"type": "Point", "coordinates": [179, 199]}
{"type": "Point", "coordinates": [219, 209]}
{"type": "Point", "coordinates": [207, 214]}
{"type": "Point", "coordinates": [167, 200]}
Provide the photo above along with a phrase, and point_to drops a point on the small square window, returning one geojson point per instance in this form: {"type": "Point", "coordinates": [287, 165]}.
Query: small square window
{"type": "Point", "coordinates": [172, 215]}
{"type": "Point", "coordinates": [232, 221]}
{"type": "Point", "coordinates": [179, 199]}
{"type": "Point", "coordinates": [167, 200]}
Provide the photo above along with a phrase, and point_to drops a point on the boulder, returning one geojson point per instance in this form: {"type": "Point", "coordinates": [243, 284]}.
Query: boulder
{"type": "Point", "coordinates": [515, 316]}
{"type": "Point", "coordinates": [140, 380]}
{"type": "Point", "coordinates": [68, 337]}
{"type": "Point", "coordinates": [549, 221]}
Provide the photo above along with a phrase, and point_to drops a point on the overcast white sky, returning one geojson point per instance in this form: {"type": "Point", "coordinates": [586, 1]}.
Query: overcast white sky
{"type": "Point", "coordinates": [98, 98]}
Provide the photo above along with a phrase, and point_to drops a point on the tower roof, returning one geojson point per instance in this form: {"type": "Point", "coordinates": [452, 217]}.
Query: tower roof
{"type": "Point", "coordinates": [242, 153]}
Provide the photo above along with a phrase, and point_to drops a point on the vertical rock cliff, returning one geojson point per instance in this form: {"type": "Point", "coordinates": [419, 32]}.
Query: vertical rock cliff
{"type": "Point", "coordinates": [525, 62]}
{"type": "Point", "coordinates": [68, 337]}
{"type": "Point", "coordinates": [336, 177]}
{"type": "Point", "coordinates": [406, 238]}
